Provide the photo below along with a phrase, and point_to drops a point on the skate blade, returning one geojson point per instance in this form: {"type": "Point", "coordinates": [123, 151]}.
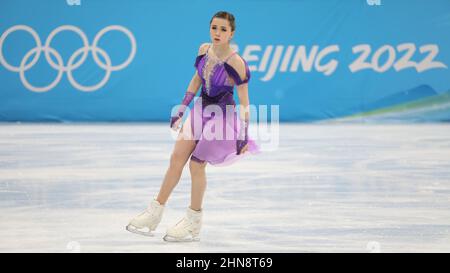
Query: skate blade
{"type": "Point", "coordinates": [168, 238]}
{"type": "Point", "coordinates": [136, 231]}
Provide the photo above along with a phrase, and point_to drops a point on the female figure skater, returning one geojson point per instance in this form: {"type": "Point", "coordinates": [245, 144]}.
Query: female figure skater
{"type": "Point", "coordinates": [218, 69]}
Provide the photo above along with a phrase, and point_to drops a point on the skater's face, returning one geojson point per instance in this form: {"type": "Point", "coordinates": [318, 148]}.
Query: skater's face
{"type": "Point", "coordinates": [220, 31]}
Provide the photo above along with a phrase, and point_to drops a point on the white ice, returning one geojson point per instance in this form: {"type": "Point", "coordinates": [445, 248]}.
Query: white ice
{"type": "Point", "coordinates": [326, 188]}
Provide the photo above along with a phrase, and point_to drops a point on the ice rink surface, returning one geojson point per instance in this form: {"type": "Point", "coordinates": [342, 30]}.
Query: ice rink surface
{"type": "Point", "coordinates": [325, 188]}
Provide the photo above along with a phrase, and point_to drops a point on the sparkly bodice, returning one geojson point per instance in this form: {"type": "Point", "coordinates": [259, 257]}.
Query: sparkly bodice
{"type": "Point", "coordinates": [217, 75]}
{"type": "Point", "coordinates": [211, 65]}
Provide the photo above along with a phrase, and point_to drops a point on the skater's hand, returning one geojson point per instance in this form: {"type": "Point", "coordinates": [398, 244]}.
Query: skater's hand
{"type": "Point", "coordinates": [242, 140]}
{"type": "Point", "coordinates": [241, 146]}
{"type": "Point", "coordinates": [175, 122]}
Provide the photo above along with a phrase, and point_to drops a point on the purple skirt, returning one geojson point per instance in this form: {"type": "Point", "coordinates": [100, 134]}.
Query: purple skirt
{"type": "Point", "coordinates": [214, 125]}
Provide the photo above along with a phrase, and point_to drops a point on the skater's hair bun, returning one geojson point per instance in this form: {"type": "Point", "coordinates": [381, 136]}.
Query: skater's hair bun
{"type": "Point", "coordinates": [225, 15]}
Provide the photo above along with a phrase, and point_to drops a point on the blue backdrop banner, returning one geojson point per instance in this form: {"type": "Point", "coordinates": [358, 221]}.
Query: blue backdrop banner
{"type": "Point", "coordinates": [116, 60]}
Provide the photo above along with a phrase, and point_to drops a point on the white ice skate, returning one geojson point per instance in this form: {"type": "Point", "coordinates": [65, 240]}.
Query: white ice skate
{"type": "Point", "coordinates": [187, 229]}
{"type": "Point", "coordinates": [149, 219]}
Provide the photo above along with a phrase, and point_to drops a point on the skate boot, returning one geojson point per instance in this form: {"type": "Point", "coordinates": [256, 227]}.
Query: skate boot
{"type": "Point", "coordinates": [187, 229]}
{"type": "Point", "coordinates": [149, 219]}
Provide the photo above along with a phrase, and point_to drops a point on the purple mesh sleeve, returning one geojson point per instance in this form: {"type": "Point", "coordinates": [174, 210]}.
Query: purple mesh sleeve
{"type": "Point", "coordinates": [188, 96]}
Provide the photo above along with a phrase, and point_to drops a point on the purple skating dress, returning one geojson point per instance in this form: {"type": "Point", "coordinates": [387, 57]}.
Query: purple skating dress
{"type": "Point", "coordinates": [218, 80]}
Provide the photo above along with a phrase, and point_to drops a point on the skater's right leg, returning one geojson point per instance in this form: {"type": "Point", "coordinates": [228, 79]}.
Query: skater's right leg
{"type": "Point", "coordinates": [148, 220]}
{"type": "Point", "coordinates": [180, 155]}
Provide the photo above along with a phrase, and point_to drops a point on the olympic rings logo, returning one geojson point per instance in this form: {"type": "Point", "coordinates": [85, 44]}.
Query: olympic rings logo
{"type": "Point", "coordinates": [71, 65]}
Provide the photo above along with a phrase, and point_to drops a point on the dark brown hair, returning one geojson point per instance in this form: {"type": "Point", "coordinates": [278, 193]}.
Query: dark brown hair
{"type": "Point", "coordinates": [225, 15]}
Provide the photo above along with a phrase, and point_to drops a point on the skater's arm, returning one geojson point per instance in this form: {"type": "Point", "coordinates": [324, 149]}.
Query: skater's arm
{"type": "Point", "coordinates": [195, 84]}
{"type": "Point", "coordinates": [242, 87]}
{"type": "Point", "coordinates": [244, 111]}
{"type": "Point", "coordinates": [244, 102]}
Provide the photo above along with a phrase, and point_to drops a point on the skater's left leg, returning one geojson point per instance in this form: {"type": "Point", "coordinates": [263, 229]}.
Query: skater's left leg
{"type": "Point", "coordinates": [198, 187]}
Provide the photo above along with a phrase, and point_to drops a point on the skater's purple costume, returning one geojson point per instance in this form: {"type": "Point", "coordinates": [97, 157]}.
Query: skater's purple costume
{"type": "Point", "coordinates": [217, 91]}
